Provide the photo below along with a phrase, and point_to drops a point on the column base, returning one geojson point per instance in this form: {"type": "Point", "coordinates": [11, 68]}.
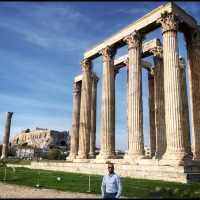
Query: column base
{"type": "Point", "coordinates": [176, 159]}
{"type": "Point", "coordinates": [81, 160]}
{"type": "Point", "coordinates": [132, 157]}
{"type": "Point", "coordinates": [82, 156]}
{"type": "Point", "coordinates": [71, 157]}
{"type": "Point", "coordinates": [158, 155]}
{"type": "Point", "coordinates": [196, 156]}
{"type": "Point", "coordinates": [92, 155]}
{"type": "Point", "coordinates": [104, 156]}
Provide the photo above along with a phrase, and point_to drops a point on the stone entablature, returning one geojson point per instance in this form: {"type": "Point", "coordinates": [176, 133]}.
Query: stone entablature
{"type": "Point", "coordinates": [42, 138]}
{"type": "Point", "coordinates": [147, 23]}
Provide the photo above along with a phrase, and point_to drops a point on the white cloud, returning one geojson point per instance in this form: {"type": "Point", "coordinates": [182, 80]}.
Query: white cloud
{"type": "Point", "coordinates": [49, 26]}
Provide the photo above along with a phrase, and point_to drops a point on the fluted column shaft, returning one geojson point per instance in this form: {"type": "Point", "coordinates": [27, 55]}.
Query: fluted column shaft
{"type": "Point", "coordinates": [107, 111]}
{"type": "Point", "coordinates": [85, 110]}
{"type": "Point", "coordinates": [173, 101]}
{"type": "Point", "coordinates": [116, 71]}
{"type": "Point", "coordinates": [93, 116]}
{"type": "Point", "coordinates": [185, 110]}
{"type": "Point", "coordinates": [75, 120]}
{"type": "Point", "coordinates": [193, 50]}
{"type": "Point", "coordinates": [6, 135]}
{"type": "Point", "coordinates": [135, 116]}
{"type": "Point", "coordinates": [152, 112]}
{"type": "Point", "coordinates": [160, 129]}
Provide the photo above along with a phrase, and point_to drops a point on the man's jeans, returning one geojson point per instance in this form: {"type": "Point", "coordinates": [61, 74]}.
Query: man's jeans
{"type": "Point", "coordinates": [110, 195]}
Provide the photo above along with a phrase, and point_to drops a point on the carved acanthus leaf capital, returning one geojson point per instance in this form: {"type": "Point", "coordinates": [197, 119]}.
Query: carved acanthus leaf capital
{"type": "Point", "coordinates": [86, 64]}
{"type": "Point", "coordinates": [169, 22]}
{"type": "Point", "coordinates": [157, 51]}
{"type": "Point", "coordinates": [107, 53]}
{"type": "Point", "coordinates": [133, 40]}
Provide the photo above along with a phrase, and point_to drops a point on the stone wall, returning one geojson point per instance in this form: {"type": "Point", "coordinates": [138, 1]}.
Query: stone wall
{"type": "Point", "coordinates": [152, 171]}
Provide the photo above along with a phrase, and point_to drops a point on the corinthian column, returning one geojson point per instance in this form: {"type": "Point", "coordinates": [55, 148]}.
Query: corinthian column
{"type": "Point", "coordinates": [160, 130]}
{"type": "Point", "coordinates": [93, 116]}
{"type": "Point", "coordinates": [135, 117]}
{"type": "Point", "coordinates": [193, 50]}
{"type": "Point", "coordinates": [152, 111]}
{"type": "Point", "coordinates": [6, 135]}
{"type": "Point", "coordinates": [85, 110]}
{"type": "Point", "coordinates": [176, 150]}
{"type": "Point", "coordinates": [75, 120]}
{"type": "Point", "coordinates": [107, 111]}
{"type": "Point", "coordinates": [185, 110]}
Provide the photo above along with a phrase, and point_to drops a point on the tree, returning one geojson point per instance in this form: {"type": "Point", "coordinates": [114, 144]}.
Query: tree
{"type": "Point", "coordinates": [54, 154]}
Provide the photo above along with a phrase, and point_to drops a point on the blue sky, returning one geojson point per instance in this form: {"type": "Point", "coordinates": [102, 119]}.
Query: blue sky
{"type": "Point", "coordinates": [42, 44]}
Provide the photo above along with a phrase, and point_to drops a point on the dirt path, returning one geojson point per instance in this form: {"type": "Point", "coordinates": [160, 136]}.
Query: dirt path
{"type": "Point", "coordinates": [15, 191]}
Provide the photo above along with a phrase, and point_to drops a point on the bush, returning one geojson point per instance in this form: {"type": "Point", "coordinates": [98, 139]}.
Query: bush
{"type": "Point", "coordinates": [54, 154]}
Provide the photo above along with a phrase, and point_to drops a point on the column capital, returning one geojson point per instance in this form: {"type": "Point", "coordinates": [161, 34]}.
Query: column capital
{"type": "Point", "coordinates": [86, 64]}
{"type": "Point", "coordinates": [133, 40]}
{"type": "Point", "coordinates": [157, 51]}
{"type": "Point", "coordinates": [169, 22]}
{"type": "Point", "coordinates": [9, 114]}
{"type": "Point", "coordinates": [108, 53]}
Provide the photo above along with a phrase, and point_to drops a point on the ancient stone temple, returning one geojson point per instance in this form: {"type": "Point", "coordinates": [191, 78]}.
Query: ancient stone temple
{"type": "Point", "coordinates": [40, 140]}
{"type": "Point", "coordinates": [170, 137]}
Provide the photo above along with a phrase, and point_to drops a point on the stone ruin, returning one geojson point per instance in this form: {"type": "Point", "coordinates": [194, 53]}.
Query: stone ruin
{"type": "Point", "coordinates": [170, 137]}
{"type": "Point", "coordinates": [42, 138]}
{"type": "Point", "coordinates": [36, 143]}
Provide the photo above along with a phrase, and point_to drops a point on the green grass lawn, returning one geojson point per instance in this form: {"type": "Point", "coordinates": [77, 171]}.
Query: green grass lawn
{"type": "Point", "coordinates": [75, 182]}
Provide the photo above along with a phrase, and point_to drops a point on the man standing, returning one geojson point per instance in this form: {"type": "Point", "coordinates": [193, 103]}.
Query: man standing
{"type": "Point", "coordinates": [111, 184]}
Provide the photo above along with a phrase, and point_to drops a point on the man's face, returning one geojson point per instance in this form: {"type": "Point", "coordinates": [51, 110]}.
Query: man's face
{"type": "Point", "coordinates": [110, 168]}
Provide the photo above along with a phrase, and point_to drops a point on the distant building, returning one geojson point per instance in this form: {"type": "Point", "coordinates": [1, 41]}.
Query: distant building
{"type": "Point", "coordinates": [29, 142]}
{"type": "Point", "coordinates": [25, 152]}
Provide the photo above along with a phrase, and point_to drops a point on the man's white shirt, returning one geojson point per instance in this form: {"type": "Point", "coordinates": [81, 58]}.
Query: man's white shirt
{"type": "Point", "coordinates": [111, 184]}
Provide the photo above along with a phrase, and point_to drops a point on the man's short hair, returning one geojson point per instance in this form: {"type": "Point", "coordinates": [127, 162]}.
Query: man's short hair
{"type": "Point", "coordinates": [110, 163]}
